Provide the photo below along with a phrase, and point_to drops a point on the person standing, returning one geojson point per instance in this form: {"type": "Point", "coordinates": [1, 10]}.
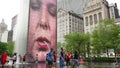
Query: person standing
{"type": "Point", "coordinates": [49, 58]}
{"type": "Point", "coordinates": [20, 59]}
{"type": "Point", "coordinates": [3, 58]}
{"type": "Point", "coordinates": [76, 57]}
{"type": "Point", "coordinates": [62, 53]}
{"type": "Point", "coordinates": [24, 57]}
{"type": "Point", "coordinates": [14, 58]}
{"type": "Point", "coordinates": [67, 58]}
{"type": "Point", "coordinates": [54, 57]}
{"type": "Point", "coordinates": [8, 59]}
{"type": "Point", "coordinates": [36, 61]}
{"type": "Point", "coordinates": [62, 64]}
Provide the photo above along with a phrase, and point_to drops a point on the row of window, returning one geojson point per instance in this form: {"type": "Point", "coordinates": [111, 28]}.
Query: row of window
{"type": "Point", "coordinates": [93, 19]}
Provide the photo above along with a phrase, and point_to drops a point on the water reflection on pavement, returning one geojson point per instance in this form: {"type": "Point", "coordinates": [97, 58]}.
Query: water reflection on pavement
{"type": "Point", "coordinates": [29, 65]}
{"type": "Point", "coordinates": [85, 65]}
{"type": "Point", "coordinates": [41, 65]}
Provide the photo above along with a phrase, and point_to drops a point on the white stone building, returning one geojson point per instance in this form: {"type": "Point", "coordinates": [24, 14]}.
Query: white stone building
{"type": "Point", "coordinates": [94, 11]}
{"type": "Point", "coordinates": [4, 36]}
{"type": "Point", "coordinates": [68, 22]}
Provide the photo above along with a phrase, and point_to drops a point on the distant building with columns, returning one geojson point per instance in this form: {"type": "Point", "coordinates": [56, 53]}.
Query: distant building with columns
{"type": "Point", "coordinates": [3, 31]}
{"type": "Point", "coordinates": [94, 11]}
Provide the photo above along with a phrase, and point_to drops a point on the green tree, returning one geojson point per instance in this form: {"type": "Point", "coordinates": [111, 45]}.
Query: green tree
{"type": "Point", "coordinates": [77, 41]}
{"type": "Point", "coordinates": [3, 47]}
{"type": "Point", "coordinates": [106, 36]}
{"type": "Point", "coordinates": [10, 47]}
{"type": "Point", "coordinates": [87, 44]}
{"type": "Point", "coordinates": [59, 45]}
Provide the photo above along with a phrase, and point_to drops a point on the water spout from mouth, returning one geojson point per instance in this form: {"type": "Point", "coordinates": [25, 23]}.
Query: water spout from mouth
{"type": "Point", "coordinates": [47, 45]}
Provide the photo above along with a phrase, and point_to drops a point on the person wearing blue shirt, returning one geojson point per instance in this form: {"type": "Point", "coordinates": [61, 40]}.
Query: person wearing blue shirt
{"type": "Point", "coordinates": [49, 58]}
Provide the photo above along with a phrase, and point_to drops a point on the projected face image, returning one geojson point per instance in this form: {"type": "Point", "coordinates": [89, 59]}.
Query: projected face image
{"type": "Point", "coordinates": [42, 28]}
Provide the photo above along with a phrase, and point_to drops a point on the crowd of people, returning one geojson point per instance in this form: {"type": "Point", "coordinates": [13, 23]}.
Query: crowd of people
{"type": "Point", "coordinates": [70, 59]}
{"type": "Point", "coordinates": [5, 58]}
{"type": "Point", "coordinates": [65, 59]}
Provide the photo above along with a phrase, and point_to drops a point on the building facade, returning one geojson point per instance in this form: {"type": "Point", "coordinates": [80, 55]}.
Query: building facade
{"type": "Point", "coordinates": [75, 5]}
{"type": "Point", "coordinates": [3, 31]}
{"type": "Point", "coordinates": [94, 11]}
{"type": "Point", "coordinates": [113, 11]}
{"type": "Point", "coordinates": [12, 32]}
{"type": "Point", "coordinates": [4, 36]}
{"type": "Point", "coordinates": [14, 22]}
{"type": "Point", "coordinates": [10, 35]}
{"type": "Point", "coordinates": [68, 22]}
{"type": "Point", "coordinates": [13, 27]}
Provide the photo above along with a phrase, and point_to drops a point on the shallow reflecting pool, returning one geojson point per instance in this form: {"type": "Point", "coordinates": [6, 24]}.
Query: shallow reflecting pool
{"type": "Point", "coordinates": [85, 65]}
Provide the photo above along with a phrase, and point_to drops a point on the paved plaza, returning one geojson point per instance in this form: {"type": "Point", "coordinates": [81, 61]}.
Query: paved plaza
{"type": "Point", "coordinates": [85, 65]}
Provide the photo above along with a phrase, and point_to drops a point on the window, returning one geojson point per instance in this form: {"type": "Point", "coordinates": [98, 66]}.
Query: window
{"type": "Point", "coordinates": [100, 16]}
{"type": "Point", "coordinates": [91, 19]}
{"type": "Point", "coordinates": [95, 18]}
{"type": "Point", "coordinates": [86, 21]}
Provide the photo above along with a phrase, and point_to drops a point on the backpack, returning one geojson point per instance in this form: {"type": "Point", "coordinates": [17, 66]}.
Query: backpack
{"type": "Point", "coordinates": [49, 57]}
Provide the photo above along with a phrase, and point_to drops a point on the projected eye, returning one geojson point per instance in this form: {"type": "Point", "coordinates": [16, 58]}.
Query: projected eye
{"type": "Point", "coordinates": [52, 9]}
{"type": "Point", "coordinates": [35, 4]}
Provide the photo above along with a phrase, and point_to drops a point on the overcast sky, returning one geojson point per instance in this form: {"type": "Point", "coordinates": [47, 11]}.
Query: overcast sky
{"type": "Point", "coordinates": [115, 1]}
{"type": "Point", "coordinates": [9, 8]}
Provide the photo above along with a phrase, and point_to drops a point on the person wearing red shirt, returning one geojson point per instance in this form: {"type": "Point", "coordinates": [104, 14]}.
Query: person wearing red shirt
{"type": "Point", "coordinates": [24, 57]}
{"type": "Point", "coordinates": [54, 56]}
{"type": "Point", "coordinates": [3, 58]}
{"type": "Point", "coordinates": [67, 58]}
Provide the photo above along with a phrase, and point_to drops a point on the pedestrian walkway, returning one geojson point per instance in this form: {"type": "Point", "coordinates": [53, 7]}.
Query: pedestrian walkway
{"type": "Point", "coordinates": [10, 63]}
{"type": "Point", "coordinates": [80, 66]}
{"type": "Point", "coordinates": [86, 65]}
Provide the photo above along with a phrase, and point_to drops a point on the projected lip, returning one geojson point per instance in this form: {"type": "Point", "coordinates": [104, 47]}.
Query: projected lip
{"type": "Point", "coordinates": [43, 43]}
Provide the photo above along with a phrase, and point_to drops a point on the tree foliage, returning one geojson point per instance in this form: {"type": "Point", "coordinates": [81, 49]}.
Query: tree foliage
{"type": "Point", "coordinates": [77, 41]}
{"type": "Point", "coordinates": [7, 47]}
{"type": "Point", "coordinates": [3, 47]}
{"type": "Point", "coordinates": [10, 47]}
{"type": "Point", "coordinates": [106, 36]}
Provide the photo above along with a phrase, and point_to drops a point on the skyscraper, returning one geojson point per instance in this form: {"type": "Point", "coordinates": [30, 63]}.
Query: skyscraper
{"type": "Point", "coordinates": [113, 11]}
